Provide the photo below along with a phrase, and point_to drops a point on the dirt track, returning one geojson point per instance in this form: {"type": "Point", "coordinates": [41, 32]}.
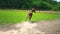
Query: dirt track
{"type": "Point", "coordinates": [40, 27]}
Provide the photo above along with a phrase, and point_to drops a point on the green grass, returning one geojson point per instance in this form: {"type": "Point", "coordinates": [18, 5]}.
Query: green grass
{"type": "Point", "coordinates": [45, 16]}
{"type": "Point", "coordinates": [15, 16]}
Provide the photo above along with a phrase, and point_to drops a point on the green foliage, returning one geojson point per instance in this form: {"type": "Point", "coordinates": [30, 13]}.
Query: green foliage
{"type": "Point", "coordinates": [57, 7]}
{"type": "Point", "coordinates": [28, 4]}
{"type": "Point", "coordinates": [42, 5]}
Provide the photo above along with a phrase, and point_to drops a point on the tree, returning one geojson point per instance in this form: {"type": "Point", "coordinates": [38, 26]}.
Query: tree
{"type": "Point", "coordinates": [28, 4]}
{"type": "Point", "coordinates": [57, 7]}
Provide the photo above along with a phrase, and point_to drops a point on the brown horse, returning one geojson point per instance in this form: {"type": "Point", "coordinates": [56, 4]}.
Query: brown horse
{"type": "Point", "coordinates": [31, 13]}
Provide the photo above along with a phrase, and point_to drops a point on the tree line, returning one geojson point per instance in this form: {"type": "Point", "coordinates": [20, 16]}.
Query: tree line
{"type": "Point", "coordinates": [28, 4]}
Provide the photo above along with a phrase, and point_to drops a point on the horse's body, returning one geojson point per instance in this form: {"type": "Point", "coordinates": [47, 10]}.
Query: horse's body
{"type": "Point", "coordinates": [31, 13]}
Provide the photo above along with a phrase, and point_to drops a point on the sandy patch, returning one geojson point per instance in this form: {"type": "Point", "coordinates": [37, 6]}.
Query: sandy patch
{"type": "Point", "coordinates": [40, 27]}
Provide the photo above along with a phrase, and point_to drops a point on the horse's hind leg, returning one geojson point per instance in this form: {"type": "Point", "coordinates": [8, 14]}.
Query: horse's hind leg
{"type": "Point", "coordinates": [30, 18]}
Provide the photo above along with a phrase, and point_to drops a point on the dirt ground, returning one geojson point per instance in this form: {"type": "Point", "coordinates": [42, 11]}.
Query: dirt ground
{"type": "Point", "coordinates": [40, 27]}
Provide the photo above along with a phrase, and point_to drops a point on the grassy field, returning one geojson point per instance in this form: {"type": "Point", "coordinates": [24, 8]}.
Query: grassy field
{"type": "Point", "coordinates": [15, 16]}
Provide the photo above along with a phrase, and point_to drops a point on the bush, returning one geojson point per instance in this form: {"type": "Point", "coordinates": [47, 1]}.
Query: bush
{"type": "Point", "coordinates": [57, 7]}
